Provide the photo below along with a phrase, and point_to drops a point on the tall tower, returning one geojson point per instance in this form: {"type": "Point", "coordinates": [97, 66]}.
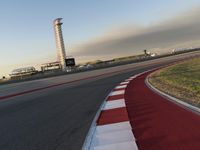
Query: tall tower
{"type": "Point", "coordinates": [60, 43]}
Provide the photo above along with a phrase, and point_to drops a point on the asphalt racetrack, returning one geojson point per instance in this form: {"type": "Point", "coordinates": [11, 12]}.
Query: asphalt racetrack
{"type": "Point", "coordinates": [59, 117]}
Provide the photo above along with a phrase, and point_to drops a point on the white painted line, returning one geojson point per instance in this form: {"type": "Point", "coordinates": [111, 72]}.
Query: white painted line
{"type": "Point", "coordinates": [113, 127]}
{"type": "Point", "coordinates": [127, 82]}
{"type": "Point", "coordinates": [117, 93]}
{"type": "Point", "coordinates": [114, 104]}
{"type": "Point", "coordinates": [173, 99]}
{"type": "Point", "coordinates": [121, 87]}
{"type": "Point", "coordinates": [113, 137]}
{"type": "Point", "coordinates": [118, 146]}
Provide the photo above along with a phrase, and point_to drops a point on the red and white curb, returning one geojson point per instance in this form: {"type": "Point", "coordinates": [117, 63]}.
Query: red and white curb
{"type": "Point", "coordinates": [111, 130]}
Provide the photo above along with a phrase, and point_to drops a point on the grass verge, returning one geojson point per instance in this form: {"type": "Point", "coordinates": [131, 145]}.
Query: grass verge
{"type": "Point", "coordinates": [181, 81]}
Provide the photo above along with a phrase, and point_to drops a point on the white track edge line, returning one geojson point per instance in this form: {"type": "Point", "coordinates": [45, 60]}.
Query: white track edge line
{"type": "Point", "coordinates": [172, 99]}
{"type": "Point", "coordinates": [93, 126]}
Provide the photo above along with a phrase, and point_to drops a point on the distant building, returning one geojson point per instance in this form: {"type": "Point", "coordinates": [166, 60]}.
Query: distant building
{"type": "Point", "coordinates": [23, 72]}
{"type": "Point", "coordinates": [51, 66]}
{"type": "Point", "coordinates": [153, 54]}
{"type": "Point", "coordinates": [173, 51]}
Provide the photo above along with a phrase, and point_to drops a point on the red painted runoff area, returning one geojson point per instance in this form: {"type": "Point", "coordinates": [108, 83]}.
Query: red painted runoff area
{"type": "Point", "coordinates": [157, 123]}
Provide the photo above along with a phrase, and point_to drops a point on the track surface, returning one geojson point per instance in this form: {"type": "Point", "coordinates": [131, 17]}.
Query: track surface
{"type": "Point", "coordinates": [159, 124]}
{"type": "Point", "coordinates": [57, 118]}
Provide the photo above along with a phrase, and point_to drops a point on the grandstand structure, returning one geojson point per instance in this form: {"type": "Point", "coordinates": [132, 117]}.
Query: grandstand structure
{"type": "Point", "coordinates": [23, 72]}
{"type": "Point", "coordinates": [51, 66]}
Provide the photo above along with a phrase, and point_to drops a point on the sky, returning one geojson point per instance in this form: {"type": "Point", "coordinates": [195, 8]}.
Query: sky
{"type": "Point", "coordinates": [94, 29]}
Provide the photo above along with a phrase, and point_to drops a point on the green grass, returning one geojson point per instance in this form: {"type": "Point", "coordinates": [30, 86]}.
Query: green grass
{"type": "Point", "coordinates": [181, 80]}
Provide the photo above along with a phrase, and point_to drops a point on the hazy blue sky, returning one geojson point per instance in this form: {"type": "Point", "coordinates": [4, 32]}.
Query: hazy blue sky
{"type": "Point", "coordinates": [27, 35]}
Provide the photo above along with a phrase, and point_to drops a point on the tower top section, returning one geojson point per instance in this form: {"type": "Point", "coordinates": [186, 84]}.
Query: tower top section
{"type": "Point", "coordinates": [57, 21]}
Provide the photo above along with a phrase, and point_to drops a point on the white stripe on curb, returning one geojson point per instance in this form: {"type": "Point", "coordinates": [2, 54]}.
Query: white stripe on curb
{"type": "Point", "coordinates": [128, 79]}
{"type": "Point", "coordinates": [114, 104]}
{"type": "Point", "coordinates": [119, 146]}
{"type": "Point", "coordinates": [133, 77]}
{"type": "Point", "coordinates": [113, 137]}
{"type": "Point", "coordinates": [121, 87]}
{"type": "Point", "coordinates": [113, 127]}
{"type": "Point", "coordinates": [117, 93]}
{"type": "Point", "coordinates": [109, 136]}
{"type": "Point", "coordinates": [127, 82]}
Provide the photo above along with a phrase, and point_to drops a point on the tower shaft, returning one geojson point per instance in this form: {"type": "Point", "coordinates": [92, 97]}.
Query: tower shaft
{"type": "Point", "coordinates": [60, 43]}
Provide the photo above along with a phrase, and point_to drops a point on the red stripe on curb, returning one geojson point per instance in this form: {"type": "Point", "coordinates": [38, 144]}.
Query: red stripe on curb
{"type": "Point", "coordinates": [113, 116]}
{"type": "Point", "coordinates": [112, 98]}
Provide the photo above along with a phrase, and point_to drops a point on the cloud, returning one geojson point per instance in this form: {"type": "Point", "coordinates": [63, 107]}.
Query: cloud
{"type": "Point", "coordinates": [178, 32]}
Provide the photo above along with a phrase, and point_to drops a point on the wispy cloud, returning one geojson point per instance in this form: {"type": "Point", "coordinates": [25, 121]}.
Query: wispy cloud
{"type": "Point", "coordinates": [180, 31]}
